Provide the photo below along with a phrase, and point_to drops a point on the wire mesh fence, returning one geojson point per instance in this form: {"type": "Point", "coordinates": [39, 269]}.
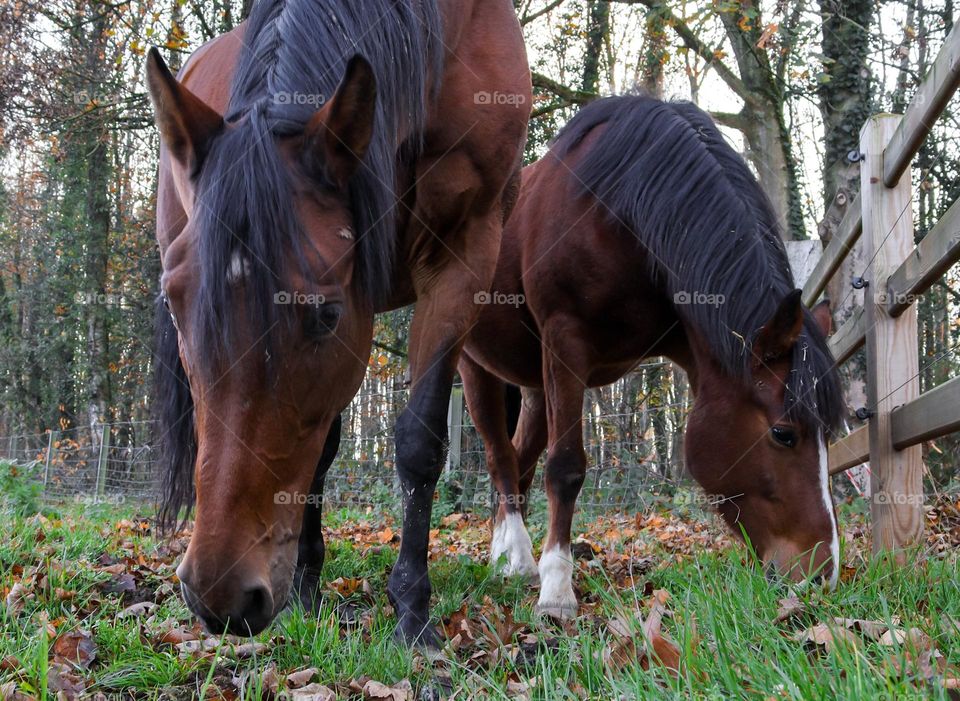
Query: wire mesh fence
{"type": "Point", "coordinates": [632, 430]}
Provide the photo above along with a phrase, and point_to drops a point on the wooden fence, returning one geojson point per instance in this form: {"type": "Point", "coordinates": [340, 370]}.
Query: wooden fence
{"type": "Point", "coordinates": [898, 417]}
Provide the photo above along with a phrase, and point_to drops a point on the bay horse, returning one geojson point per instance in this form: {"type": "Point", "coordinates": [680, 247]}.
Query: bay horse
{"type": "Point", "coordinates": [324, 161]}
{"type": "Point", "coordinates": [642, 233]}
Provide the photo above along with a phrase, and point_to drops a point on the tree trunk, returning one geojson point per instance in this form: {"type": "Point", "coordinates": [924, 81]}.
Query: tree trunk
{"type": "Point", "coordinates": [598, 26]}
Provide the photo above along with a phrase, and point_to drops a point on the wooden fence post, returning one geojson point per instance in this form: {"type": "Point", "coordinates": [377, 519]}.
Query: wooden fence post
{"type": "Point", "coordinates": [103, 461]}
{"type": "Point", "coordinates": [455, 428]}
{"type": "Point", "coordinates": [892, 366]}
{"type": "Point", "coordinates": [49, 459]}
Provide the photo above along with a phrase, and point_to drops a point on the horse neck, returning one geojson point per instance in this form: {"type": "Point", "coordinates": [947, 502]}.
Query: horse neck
{"type": "Point", "coordinates": [698, 360]}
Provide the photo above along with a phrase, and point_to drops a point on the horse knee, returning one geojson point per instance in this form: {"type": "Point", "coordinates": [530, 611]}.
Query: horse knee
{"type": "Point", "coordinates": [420, 447]}
{"type": "Point", "coordinates": [565, 475]}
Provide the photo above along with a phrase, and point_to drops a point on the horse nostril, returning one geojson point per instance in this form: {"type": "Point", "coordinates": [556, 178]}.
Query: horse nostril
{"type": "Point", "coordinates": [255, 611]}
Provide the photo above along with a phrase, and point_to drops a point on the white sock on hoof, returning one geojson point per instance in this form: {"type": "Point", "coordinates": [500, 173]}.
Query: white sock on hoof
{"type": "Point", "coordinates": [510, 538]}
{"type": "Point", "coordinates": [556, 583]}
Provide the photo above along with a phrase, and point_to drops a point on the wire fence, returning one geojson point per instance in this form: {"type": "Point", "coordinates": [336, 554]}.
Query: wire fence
{"type": "Point", "coordinates": [632, 429]}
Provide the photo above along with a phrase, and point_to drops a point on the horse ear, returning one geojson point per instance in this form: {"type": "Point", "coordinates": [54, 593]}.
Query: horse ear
{"type": "Point", "coordinates": [338, 135]}
{"type": "Point", "coordinates": [823, 315]}
{"type": "Point", "coordinates": [780, 333]}
{"type": "Point", "coordinates": [187, 125]}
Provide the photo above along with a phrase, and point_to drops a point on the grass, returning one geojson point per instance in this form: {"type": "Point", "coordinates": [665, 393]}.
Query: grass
{"type": "Point", "coordinates": [723, 621]}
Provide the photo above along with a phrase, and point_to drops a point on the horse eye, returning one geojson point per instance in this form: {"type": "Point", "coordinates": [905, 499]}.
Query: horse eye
{"type": "Point", "coordinates": [784, 436]}
{"type": "Point", "coordinates": [322, 319]}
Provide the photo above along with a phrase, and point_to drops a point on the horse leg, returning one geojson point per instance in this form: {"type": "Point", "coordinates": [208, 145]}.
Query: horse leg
{"type": "Point", "coordinates": [486, 400]}
{"type": "Point", "coordinates": [529, 440]}
{"type": "Point", "coordinates": [565, 470]}
{"type": "Point", "coordinates": [311, 548]}
{"type": "Point", "coordinates": [444, 313]}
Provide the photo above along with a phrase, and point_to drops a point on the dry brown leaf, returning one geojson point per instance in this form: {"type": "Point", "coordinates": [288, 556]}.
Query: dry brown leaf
{"type": "Point", "coordinates": [665, 650]}
{"type": "Point", "coordinates": [75, 647]}
{"type": "Point", "coordinates": [874, 630]}
{"type": "Point", "coordinates": [402, 691]}
{"type": "Point", "coordinates": [826, 636]}
{"type": "Point", "coordinates": [311, 692]}
{"type": "Point", "coordinates": [9, 692]}
{"type": "Point", "coordinates": [789, 608]}
{"type": "Point", "coordinates": [913, 638]}
{"type": "Point", "coordinates": [175, 636]}
{"type": "Point", "coordinates": [295, 680]}
{"type": "Point", "coordinates": [135, 610]}
{"type": "Point", "coordinates": [16, 599]}
{"type": "Point", "coordinates": [61, 678]}
{"type": "Point", "coordinates": [518, 690]}
{"type": "Point", "coordinates": [345, 586]}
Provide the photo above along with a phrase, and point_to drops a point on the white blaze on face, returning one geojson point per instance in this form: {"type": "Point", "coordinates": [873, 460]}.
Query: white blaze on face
{"type": "Point", "coordinates": [556, 583]}
{"type": "Point", "coordinates": [828, 505]}
{"type": "Point", "coordinates": [510, 538]}
{"type": "Point", "coordinates": [239, 268]}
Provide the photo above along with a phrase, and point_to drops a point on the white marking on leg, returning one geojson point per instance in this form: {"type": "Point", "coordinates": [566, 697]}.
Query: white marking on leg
{"type": "Point", "coordinates": [828, 505]}
{"type": "Point", "coordinates": [510, 538]}
{"type": "Point", "coordinates": [556, 583]}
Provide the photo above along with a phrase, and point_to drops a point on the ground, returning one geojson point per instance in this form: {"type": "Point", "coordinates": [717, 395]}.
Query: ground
{"type": "Point", "coordinates": [670, 608]}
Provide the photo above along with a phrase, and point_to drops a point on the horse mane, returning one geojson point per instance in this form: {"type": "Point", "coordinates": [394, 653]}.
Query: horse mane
{"type": "Point", "coordinates": [663, 171]}
{"type": "Point", "coordinates": [295, 53]}
{"type": "Point", "coordinates": [174, 435]}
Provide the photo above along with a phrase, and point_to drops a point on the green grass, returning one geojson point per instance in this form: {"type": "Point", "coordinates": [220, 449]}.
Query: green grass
{"type": "Point", "coordinates": [723, 614]}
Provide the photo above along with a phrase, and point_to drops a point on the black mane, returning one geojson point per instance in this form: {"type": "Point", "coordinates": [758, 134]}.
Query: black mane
{"type": "Point", "coordinates": [295, 55]}
{"type": "Point", "coordinates": [664, 171]}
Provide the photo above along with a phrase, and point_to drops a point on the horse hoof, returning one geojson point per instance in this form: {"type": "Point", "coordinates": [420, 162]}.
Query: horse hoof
{"type": "Point", "coordinates": [526, 570]}
{"type": "Point", "coordinates": [559, 610]}
{"type": "Point", "coordinates": [423, 637]}
{"type": "Point", "coordinates": [306, 585]}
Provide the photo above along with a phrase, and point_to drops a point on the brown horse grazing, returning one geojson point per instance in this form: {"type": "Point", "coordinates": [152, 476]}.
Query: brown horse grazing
{"type": "Point", "coordinates": [642, 233]}
{"type": "Point", "coordinates": [326, 160]}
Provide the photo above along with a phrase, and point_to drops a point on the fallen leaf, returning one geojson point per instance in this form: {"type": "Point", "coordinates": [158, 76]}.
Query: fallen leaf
{"type": "Point", "coordinates": [789, 608]}
{"type": "Point", "coordinates": [302, 678]}
{"type": "Point", "coordinates": [135, 610]}
{"type": "Point", "coordinates": [16, 599]}
{"type": "Point", "coordinates": [311, 692]}
{"type": "Point", "coordinates": [826, 636]}
{"type": "Point", "coordinates": [76, 647]}
{"type": "Point", "coordinates": [61, 678]}
{"type": "Point", "coordinates": [402, 691]}
{"type": "Point", "coordinates": [9, 692]}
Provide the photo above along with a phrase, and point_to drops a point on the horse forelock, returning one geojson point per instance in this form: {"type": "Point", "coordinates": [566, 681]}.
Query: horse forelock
{"type": "Point", "coordinates": [295, 53]}
{"type": "Point", "coordinates": [664, 172]}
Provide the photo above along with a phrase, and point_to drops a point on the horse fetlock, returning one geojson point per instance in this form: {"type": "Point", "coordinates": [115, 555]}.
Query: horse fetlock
{"type": "Point", "coordinates": [306, 585]}
{"type": "Point", "coordinates": [557, 598]}
{"type": "Point", "coordinates": [409, 594]}
{"type": "Point", "coordinates": [511, 550]}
